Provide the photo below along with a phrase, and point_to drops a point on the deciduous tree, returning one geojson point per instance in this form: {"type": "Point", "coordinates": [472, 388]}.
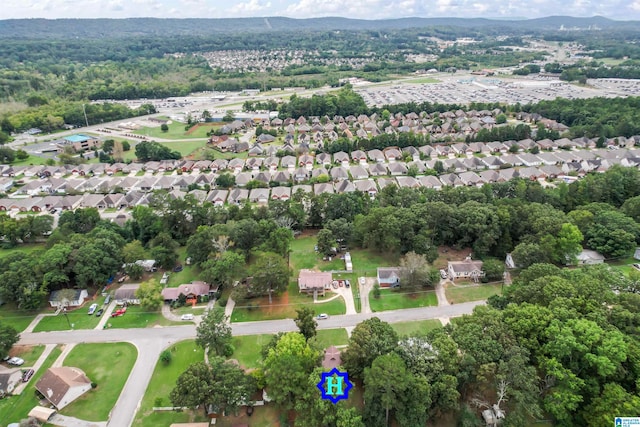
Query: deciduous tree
{"type": "Point", "coordinates": [214, 333]}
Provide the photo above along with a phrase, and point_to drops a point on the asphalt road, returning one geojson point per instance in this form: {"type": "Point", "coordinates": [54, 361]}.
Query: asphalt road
{"type": "Point", "coordinates": [151, 341]}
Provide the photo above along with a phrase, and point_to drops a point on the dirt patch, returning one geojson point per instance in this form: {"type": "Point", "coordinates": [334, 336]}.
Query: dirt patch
{"type": "Point", "coordinates": [195, 127]}
{"type": "Point", "coordinates": [447, 253]}
{"type": "Point", "coordinates": [17, 350]}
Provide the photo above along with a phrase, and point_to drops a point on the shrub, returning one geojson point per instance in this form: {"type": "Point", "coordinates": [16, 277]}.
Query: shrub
{"type": "Point", "coordinates": [94, 385]}
{"type": "Point", "coordinates": [376, 291]}
{"type": "Point", "coordinates": [222, 302]}
{"type": "Point", "coordinates": [165, 357]}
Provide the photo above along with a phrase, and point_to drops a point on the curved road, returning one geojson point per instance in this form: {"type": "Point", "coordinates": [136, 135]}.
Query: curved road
{"type": "Point", "coordinates": [150, 342]}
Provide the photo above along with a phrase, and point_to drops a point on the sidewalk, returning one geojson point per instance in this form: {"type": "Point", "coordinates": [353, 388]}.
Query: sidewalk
{"type": "Point", "coordinates": [65, 351]}
{"type": "Point", "coordinates": [106, 315]}
{"type": "Point", "coordinates": [228, 309]}
{"type": "Point", "coordinates": [35, 321]}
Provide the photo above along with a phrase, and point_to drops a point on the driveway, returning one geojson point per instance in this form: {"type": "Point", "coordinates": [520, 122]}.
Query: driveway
{"type": "Point", "coordinates": [347, 295]}
{"type": "Point", "coordinates": [365, 289]}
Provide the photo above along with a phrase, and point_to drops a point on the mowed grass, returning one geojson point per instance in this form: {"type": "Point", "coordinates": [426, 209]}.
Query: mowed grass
{"type": "Point", "coordinates": [284, 307]}
{"type": "Point", "coordinates": [418, 326]}
{"type": "Point", "coordinates": [137, 317]}
{"type": "Point", "coordinates": [107, 365]}
{"type": "Point", "coordinates": [422, 80]}
{"type": "Point", "coordinates": [247, 349]}
{"type": "Point", "coordinates": [16, 408]}
{"type": "Point", "coordinates": [162, 382]}
{"type": "Point", "coordinates": [472, 292]}
{"type": "Point", "coordinates": [395, 300]}
{"type": "Point", "coordinates": [25, 248]}
{"type": "Point", "coordinates": [29, 353]}
{"type": "Point", "coordinates": [79, 319]}
{"type": "Point", "coordinates": [329, 337]}
{"type": "Point", "coordinates": [19, 319]}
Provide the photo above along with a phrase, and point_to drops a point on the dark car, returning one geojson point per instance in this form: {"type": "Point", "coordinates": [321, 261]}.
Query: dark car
{"type": "Point", "coordinates": [26, 376]}
{"type": "Point", "coordinates": [99, 312]}
{"type": "Point", "coordinates": [177, 268]}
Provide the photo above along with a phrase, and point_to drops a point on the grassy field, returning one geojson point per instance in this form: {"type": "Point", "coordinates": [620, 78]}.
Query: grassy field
{"type": "Point", "coordinates": [15, 408]}
{"type": "Point", "coordinates": [329, 337]}
{"type": "Point", "coordinates": [406, 328]}
{"type": "Point", "coordinates": [79, 319]}
{"type": "Point", "coordinates": [136, 317]}
{"type": "Point", "coordinates": [19, 319]}
{"type": "Point", "coordinates": [30, 353]}
{"type": "Point", "coordinates": [162, 382]}
{"type": "Point", "coordinates": [472, 292]}
{"type": "Point", "coordinates": [625, 265]}
{"type": "Point", "coordinates": [395, 300]}
{"type": "Point", "coordinates": [25, 249]}
{"type": "Point", "coordinates": [284, 307]}
{"type": "Point", "coordinates": [247, 349]}
{"type": "Point", "coordinates": [422, 80]}
{"type": "Point", "coordinates": [98, 362]}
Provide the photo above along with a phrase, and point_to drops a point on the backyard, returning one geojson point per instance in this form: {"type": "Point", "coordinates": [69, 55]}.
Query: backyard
{"type": "Point", "coordinates": [98, 362]}
{"type": "Point", "coordinates": [467, 293]}
{"type": "Point", "coordinates": [395, 300]}
{"type": "Point", "coordinates": [16, 408]}
{"type": "Point", "coordinates": [162, 382]}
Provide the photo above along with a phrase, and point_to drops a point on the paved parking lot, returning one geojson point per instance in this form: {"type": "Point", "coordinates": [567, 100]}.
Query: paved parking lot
{"type": "Point", "coordinates": [464, 88]}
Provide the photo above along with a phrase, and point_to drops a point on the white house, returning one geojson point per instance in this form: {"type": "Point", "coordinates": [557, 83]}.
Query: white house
{"type": "Point", "coordinates": [56, 300]}
{"type": "Point", "coordinates": [467, 269]}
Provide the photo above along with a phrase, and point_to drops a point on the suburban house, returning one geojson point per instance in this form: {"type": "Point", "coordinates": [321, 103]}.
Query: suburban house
{"type": "Point", "coordinates": [57, 300]}
{"type": "Point", "coordinates": [61, 386]}
{"type": "Point", "coordinates": [126, 294]}
{"type": "Point", "coordinates": [388, 277]}
{"type": "Point", "coordinates": [9, 378]}
{"type": "Point", "coordinates": [467, 269]}
{"type": "Point", "coordinates": [191, 291]}
{"type": "Point", "coordinates": [331, 358]}
{"type": "Point", "coordinates": [148, 264]}
{"type": "Point", "coordinates": [314, 281]}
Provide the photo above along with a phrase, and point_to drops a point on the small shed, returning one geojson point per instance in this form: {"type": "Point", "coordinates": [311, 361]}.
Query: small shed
{"type": "Point", "coordinates": [42, 414]}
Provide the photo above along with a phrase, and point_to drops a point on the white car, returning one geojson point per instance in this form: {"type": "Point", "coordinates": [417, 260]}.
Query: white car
{"type": "Point", "coordinates": [92, 309]}
{"type": "Point", "coordinates": [322, 316]}
{"type": "Point", "coordinates": [15, 361]}
{"type": "Point", "coordinates": [187, 316]}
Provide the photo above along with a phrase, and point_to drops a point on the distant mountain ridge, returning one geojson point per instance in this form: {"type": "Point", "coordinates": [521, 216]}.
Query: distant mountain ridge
{"type": "Point", "coordinates": [69, 28]}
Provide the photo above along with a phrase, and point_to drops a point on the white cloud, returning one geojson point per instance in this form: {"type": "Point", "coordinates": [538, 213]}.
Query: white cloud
{"type": "Point", "coordinates": [635, 5]}
{"type": "Point", "coordinates": [250, 7]}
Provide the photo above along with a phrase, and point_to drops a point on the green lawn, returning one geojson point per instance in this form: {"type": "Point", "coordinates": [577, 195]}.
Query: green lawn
{"type": "Point", "coordinates": [15, 317]}
{"type": "Point", "coordinates": [186, 147]}
{"type": "Point", "coordinates": [162, 382]}
{"type": "Point", "coordinates": [422, 80]}
{"type": "Point", "coordinates": [188, 274]}
{"type": "Point", "coordinates": [285, 306]}
{"type": "Point", "coordinates": [247, 349]}
{"type": "Point", "coordinates": [329, 337]}
{"type": "Point", "coordinates": [15, 408]}
{"type": "Point", "coordinates": [365, 262]}
{"type": "Point", "coordinates": [137, 317]}
{"type": "Point", "coordinates": [395, 300]}
{"type": "Point", "coordinates": [98, 362]}
{"type": "Point", "coordinates": [472, 292]}
{"type": "Point", "coordinates": [187, 309]}
{"type": "Point", "coordinates": [30, 353]}
{"type": "Point", "coordinates": [31, 160]}
{"type": "Point", "coordinates": [79, 319]}
{"type": "Point", "coordinates": [625, 265]}
{"type": "Point", "coordinates": [26, 248]}
{"type": "Point", "coordinates": [406, 328]}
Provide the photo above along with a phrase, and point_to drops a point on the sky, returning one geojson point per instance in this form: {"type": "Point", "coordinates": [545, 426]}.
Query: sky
{"type": "Point", "coordinates": [362, 9]}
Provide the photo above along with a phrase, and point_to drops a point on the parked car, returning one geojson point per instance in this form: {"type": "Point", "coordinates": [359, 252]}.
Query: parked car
{"type": "Point", "coordinates": [26, 376]}
{"type": "Point", "coordinates": [187, 316]}
{"type": "Point", "coordinates": [177, 268]}
{"type": "Point", "coordinates": [99, 312]}
{"type": "Point", "coordinates": [443, 274]}
{"type": "Point", "coordinates": [119, 312]}
{"type": "Point", "coordinates": [322, 316]}
{"type": "Point", "coordinates": [107, 300]}
{"type": "Point", "coordinates": [16, 361]}
{"type": "Point", "coordinates": [93, 308]}
{"type": "Point", "coordinates": [347, 284]}
{"type": "Point", "coordinates": [636, 266]}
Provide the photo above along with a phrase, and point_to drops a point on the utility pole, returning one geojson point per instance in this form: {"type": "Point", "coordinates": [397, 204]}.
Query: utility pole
{"type": "Point", "coordinates": [64, 311]}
